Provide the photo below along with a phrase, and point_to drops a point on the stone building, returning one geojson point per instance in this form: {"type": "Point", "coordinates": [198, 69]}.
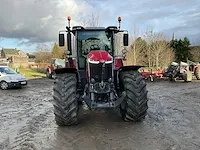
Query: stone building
{"type": "Point", "coordinates": [17, 58]}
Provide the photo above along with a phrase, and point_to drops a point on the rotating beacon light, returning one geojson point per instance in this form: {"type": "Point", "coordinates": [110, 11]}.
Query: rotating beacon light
{"type": "Point", "coordinates": [69, 19]}
{"type": "Point", "coordinates": [119, 20]}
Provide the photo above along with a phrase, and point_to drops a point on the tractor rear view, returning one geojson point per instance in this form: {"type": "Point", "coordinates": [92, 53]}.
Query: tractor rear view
{"type": "Point", "coordinates": [55, 63]}
{"type": "Point", "coordinates": [95, 74]}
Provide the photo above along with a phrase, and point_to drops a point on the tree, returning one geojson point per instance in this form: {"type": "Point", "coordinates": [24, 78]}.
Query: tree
{"type": "Point", "coordinates": [43, 53]}
{"type": "Point", "coordinates": [181, 49]}
{"type": "Point", "coordinates": [152, 49]}
{"type": "Point", "coordinates": [137, 52]}
{"type": "Point", "coordinates": [148, 37]}
{"type": "Point", "coordinates": [159, 52]}
{"type": "Point", "coordinates": [194, 53]}
{"type": "Point", "coordinates": [186, 44]}
{"type": "Point", "coordinates": [162, 53]}
{"type": "Point", "coordinates": [57, 51]}
{"type": "Point", "coordinates": [92, 21]}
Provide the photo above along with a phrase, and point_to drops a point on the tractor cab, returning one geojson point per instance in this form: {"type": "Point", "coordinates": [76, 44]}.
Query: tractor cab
{"type": "Point", "coordinates": [91, 39]}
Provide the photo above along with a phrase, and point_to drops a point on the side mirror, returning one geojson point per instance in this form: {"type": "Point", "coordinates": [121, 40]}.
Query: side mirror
{"type": "Point", "coordinates": [61, 40]}
{"type": "Point", "coordinates": [125, 39]}
{"type": "Point", "coordinates": [69, 44]}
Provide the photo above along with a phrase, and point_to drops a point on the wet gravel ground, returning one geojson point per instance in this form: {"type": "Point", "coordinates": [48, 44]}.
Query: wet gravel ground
{"type": "Point", "coordinates": [172, 123]}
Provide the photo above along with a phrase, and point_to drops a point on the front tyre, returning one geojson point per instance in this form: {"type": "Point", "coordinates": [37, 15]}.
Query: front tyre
{"type": "Point", "coordinates": [3, 85]}
{"type": "Point", "coordinates": [134, 107]}
{"type": "Point", "coordinates": [65, 99]}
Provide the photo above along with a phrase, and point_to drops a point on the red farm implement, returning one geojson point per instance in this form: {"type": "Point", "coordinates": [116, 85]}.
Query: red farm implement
{"type": "Point", "coordinates": [151, 74]}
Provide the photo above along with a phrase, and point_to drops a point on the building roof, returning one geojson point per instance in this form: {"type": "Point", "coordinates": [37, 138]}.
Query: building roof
{"type": "Point", "coordinates": [10, 51]}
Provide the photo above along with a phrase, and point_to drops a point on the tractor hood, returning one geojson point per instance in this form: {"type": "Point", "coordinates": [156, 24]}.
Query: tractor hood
{"type": "Point", "coordinates": [99, 56]}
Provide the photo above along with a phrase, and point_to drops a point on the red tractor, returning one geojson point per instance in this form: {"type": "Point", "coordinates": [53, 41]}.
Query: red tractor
{"type": "Point", "coordinates": [95, 75]}
{"type": "Point", "coordinates": [55, 64]}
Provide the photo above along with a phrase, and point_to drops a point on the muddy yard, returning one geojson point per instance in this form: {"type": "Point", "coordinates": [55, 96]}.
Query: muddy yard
{"type": "Point", "coordinates": [172, 123]}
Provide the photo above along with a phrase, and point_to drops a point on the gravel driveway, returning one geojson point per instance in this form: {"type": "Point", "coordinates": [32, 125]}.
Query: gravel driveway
{"type": "Point", "coordinates": [172, 123]}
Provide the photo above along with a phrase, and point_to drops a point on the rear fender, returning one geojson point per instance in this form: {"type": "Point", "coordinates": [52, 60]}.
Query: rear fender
{"type": "Point", "coordinates": [65, 70]}
{"type": "Point", "coordinates": [127, 68]}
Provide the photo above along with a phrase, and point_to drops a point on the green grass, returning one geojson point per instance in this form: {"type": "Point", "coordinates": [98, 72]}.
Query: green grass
{"type": "Point", "coordinates": [31, 73]}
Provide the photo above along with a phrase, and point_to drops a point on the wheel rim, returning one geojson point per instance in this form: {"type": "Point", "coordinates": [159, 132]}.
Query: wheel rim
{"type": "Point", "coordinates": [4, 85]}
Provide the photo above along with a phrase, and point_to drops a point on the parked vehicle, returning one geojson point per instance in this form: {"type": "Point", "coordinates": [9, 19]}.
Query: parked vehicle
{"type": "Point", "coordinates": [96, 75]}
{"type": "Point", "coordinates": [177, 71]}
{"type": "Point", "coordinates": [55, 63]}
{"type": "Point", "coordinates": [9, 78]}
{"type": "Point", "coordinates": [151, 74]}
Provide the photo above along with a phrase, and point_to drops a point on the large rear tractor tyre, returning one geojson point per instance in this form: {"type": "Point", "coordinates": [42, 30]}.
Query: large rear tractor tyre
{"type": "Point", "coordinates": [134, 107]}
{"type": "Point", "coordinates": [187, 76]}
{"type": "Point", "coordinates": [65, 99]}
{"type": "Point", "coordinates": [197, 72]}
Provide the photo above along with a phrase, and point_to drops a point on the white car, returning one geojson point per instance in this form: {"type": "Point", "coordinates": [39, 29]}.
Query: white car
{"type": "Point", "coordinates": [9, 78]}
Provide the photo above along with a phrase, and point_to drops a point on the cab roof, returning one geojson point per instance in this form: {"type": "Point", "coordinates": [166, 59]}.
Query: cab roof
{"type": "Point", "coordinates": [94, 28]}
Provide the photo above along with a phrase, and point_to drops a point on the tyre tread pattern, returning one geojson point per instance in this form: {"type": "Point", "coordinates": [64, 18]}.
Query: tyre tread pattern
{"type": "Point", "coordinates": [135, 103]}
{"type": "Point", "coordinates": [65, 100]}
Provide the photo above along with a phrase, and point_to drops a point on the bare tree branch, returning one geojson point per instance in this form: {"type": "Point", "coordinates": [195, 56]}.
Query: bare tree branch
{"type": "Point", "coordinates": [151, 48]}
{"type": "Point", "coordinates": [92, 21]}
{"type": "Point", "coordinates": [43, 53]}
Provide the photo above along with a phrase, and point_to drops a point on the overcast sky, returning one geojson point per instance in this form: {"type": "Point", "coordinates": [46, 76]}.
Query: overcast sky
{"type": "Point", "coordinates": [24, 23]}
